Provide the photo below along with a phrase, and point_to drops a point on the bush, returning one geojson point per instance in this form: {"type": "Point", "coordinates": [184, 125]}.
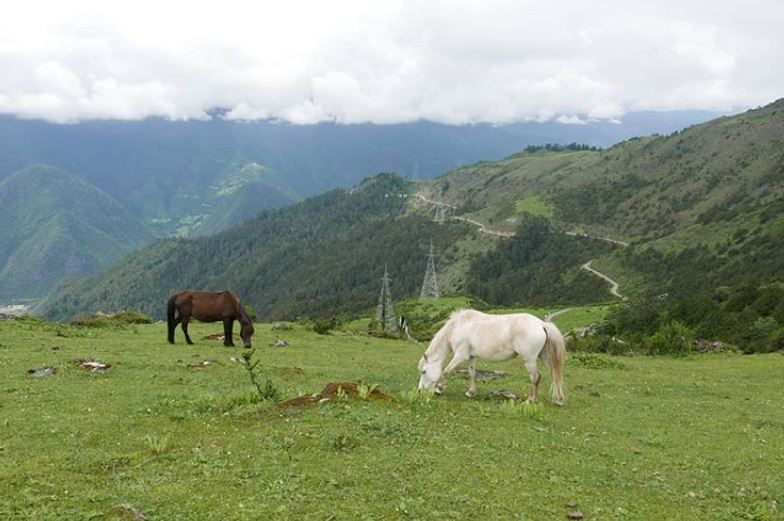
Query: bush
{"type": "Point", "coordinates": [672, 338]}
{"type": "Point", "coordinates": [124, 318]}
{"type": "Point", "coordinates": [323, 326]}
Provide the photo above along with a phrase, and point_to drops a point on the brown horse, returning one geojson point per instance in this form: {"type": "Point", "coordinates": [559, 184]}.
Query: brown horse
{"type": "Point", "coordinates": [205, 306]}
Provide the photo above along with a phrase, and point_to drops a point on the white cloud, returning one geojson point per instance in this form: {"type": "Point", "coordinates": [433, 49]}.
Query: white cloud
{"type": "Point", "coordinates": [387, 60]}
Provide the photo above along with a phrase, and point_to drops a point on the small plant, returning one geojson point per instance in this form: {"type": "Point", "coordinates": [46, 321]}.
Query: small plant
{"type": "Point", "coordinates": [414, 396]}
{"type": "Point", "coordinates": [340, 395]}
{"type": "Point", "coordinates": [364, 391]}
{"type": "Point", "coordinates": [157, 444]}
{"type": "Point", "coordinates": [532, 411]}
{"type": "Point", "coordinates": [266, 392]}
{"type": "Point", "coordinates": [344, 443]}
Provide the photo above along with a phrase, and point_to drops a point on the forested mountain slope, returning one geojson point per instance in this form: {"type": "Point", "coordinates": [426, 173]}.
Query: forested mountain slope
{"type": "Point", "coordinates": [55, 225]}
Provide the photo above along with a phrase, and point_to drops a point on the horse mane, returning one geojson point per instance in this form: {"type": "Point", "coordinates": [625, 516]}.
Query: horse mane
{"type": "Point", "coordinates": [244, 318]}
{"type": "Point", "coordinates": [438, 338]}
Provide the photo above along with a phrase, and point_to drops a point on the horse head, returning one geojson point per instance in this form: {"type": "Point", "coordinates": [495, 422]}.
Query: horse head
{"type": "Point", "coordinates": [246, 330]}
{"type": "Point", "coordinates": [431, 375]}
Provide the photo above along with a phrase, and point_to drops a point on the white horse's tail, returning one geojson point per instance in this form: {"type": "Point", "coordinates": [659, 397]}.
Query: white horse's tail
{"type": "Point", "coordinates": [554, 357]}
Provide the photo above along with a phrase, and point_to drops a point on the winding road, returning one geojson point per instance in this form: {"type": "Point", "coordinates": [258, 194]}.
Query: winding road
{"type": "Point", "coordinates": [614, 286]}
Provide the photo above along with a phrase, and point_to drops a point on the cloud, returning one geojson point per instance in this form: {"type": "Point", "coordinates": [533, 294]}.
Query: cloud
{"type": "Point", "coordinates": [387, 61]}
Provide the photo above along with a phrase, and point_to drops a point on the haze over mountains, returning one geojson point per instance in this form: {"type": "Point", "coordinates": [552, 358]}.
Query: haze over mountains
{"type": "Point", "coordinates": [194, 178]}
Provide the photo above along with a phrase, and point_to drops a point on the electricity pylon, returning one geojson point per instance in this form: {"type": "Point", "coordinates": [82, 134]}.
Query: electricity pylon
{"type": "Point", "coordinates": [430, 284]}
{"type": "Point", "coordinates": [386, 311]}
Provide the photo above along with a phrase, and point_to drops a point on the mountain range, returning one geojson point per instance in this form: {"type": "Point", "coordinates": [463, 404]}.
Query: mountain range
{"type": "Point", "coordinates": [196, 178]}
{"type": "Point", "coordinates": [699, 207]}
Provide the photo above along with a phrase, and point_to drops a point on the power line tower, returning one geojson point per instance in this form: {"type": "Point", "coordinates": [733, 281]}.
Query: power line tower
{"type": "Point", "coordinates": [386, 311]}
{"type": "Point", "coordinates": [430, 284]}
{"type": "Point", "coordinates": [440, 213]}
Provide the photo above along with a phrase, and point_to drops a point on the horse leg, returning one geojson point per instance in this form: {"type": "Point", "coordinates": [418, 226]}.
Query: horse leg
{"type": "Point", "coordinates": [228, 335]}
{"type": "Point", "coordinates": [185, 321]}
{"type": "Point", "coordinates": [471, 392]}
{"type": "Point", "coordinates": [458, 358]}
{"type": "Point", "coordinates": [533, 373]}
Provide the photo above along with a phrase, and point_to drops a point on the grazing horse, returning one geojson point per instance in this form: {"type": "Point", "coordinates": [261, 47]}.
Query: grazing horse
{"type": "Point", "coordinates": [205, 306]}
{"type": "Point", "coordinates": [470, 334]}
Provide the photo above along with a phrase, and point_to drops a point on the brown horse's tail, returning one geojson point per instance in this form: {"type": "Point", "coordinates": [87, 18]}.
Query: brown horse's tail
{"type": "Point", "coordinates": [171, 310]}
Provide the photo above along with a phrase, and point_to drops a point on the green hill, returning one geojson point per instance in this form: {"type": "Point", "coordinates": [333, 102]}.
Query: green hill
{"type": "Point", "coordinates": [702, 210]}
{"type": "Point", "coordinates": [58, 225]}
{"type": "Point", "coordinates": [321, 257]}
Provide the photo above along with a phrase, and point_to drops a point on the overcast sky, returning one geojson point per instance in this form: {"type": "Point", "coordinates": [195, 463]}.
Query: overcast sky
{"type": "Point", "coordinates": [387, 61]}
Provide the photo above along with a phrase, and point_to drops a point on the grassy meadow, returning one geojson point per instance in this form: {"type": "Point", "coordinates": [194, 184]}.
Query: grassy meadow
{"type": "Point", "coordinates": [700, 437]}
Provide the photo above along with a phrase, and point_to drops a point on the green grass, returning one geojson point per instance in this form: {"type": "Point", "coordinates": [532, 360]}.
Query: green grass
{"type": "Point", "coordinates": [638, 438]}
{"type": "Point", "coordinates": [535, 206]}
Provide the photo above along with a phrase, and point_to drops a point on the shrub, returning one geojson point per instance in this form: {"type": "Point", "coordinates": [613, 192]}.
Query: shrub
{"type": "Point", "coordinates": [323, 326]}
{"type": "Point", "coordinates": [672, 338]}
{"type": "Point", "coordinates": [124, 318]}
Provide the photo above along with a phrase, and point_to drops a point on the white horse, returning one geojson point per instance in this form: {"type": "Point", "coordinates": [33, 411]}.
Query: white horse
{"type": "Point", "coordinates": [469, 334]}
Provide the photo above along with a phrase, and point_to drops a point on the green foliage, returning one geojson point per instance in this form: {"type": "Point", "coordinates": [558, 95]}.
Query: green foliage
{"type": "Point", "coordinates": [320, 258]}
{"type": "Point", "coordinates": [61, 226]}
{"type": "Point", "coordinates": [530, 268]}
{"type": "Point", "coordinates": [266, 392]}
{"type": "Point", "coordinates": [672, 338]}
{"type": "Point", "coordinates": [124, 318]}
{"type": "Point", "coordinates": [594, 361]}
{"type": "Point", "coordinates": [323, 326]}
{"type": "Point", "coordinates": [157, 444]}
{"type": "Point", "coordinates": [743, 315]}
{"type": "Point", "coordinates": [364, 391]}
{"type": "Point", "coordinates": [531, 411]}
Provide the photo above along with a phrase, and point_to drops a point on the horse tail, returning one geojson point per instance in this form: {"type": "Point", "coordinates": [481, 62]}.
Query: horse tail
{"type": "Point", "coordinates": [171, 309]}
{"type": "Point", "coordinates": [554, 356]}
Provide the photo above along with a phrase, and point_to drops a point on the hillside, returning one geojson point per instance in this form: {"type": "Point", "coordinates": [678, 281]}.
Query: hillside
{"type": "Point", "coordinates": [701, 209]}
{"type": "Point", "coordinates": [321, 257]}
{"type": "Point", "coordinates": [197, 177]}
{"type": "Point", "coordinates": [57, 225]}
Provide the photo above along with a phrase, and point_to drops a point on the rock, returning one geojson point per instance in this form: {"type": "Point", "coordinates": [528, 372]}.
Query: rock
{"type": "Point", "coordinates": [571, 504]}
{"type": "Point", "coordinates": [503, 393]}
{"type": "Point", "coordinates": [93, 366]}
{"type": "Point", "coordinates": [280, 343]}
{"type": "Point", "coordinates": [199, 364]}
{"type": "Point", "coordinates": [42, 371]}
{"type": "Point", "coordinates": [576, 514]}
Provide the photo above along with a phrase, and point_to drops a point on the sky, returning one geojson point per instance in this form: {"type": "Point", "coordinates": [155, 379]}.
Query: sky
{"type": "Point", "coordinates": [387, 61]}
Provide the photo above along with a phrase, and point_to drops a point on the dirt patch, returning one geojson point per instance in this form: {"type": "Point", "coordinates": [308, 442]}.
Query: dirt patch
{"type": "Point", "coordinates": [90, 365]}
{"type": "Point", "coordinates": [216, 336]}
{"type": "Point", "coordinates": [328, 393]}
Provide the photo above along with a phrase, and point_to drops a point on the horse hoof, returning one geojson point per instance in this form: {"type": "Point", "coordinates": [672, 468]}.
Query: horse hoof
{"type": "Point", "coordinates": [470, 394]}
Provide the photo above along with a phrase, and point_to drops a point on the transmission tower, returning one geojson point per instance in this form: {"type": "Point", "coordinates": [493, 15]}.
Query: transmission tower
{"type": "Point", "coordinates": [430, 284]}
{"type": "Point", "coordinates": [440, 213]}
{"type": "Point", "coordinates": [386, 312]}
